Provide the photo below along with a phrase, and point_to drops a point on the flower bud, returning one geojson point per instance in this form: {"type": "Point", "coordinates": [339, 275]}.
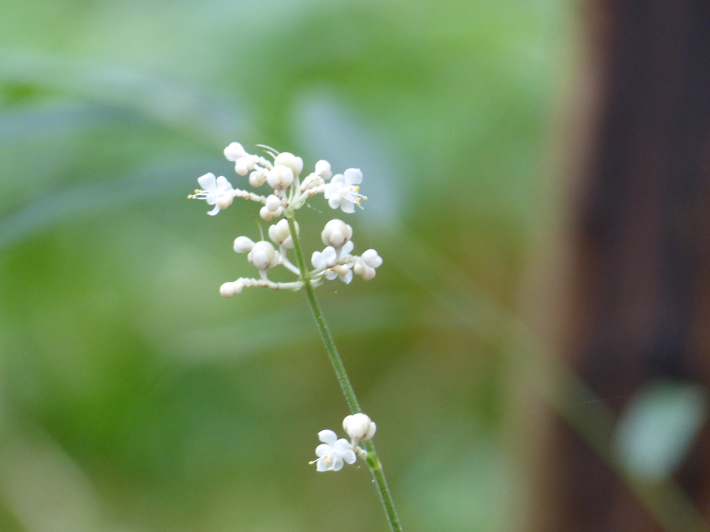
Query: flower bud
{"type": "Point", "coordinates": [336, 233]}
{"type": "Point", "coordinates": [323, 170]}
{"type": "Point", "coordinates": [280, 177]}
{"type": "Point", "coordinates": [242, 244]}
{"type": "Point", "coordinates": [359, 427]}
{"type": "Point", "coordinates": [234, 152]}
{"type": "Point", "coordinates": [257, 178]}
{"type": "Point", "coordinates": [242, 166]}
{"type": "Point", "coordinates": [224, 200]}
{"type": "Point", "coordinates": [364, 270]}
{"type": "Point", "coordinates": [273, 202]}
{"type": "Point", "coordinates": [281, 233]}
{"type": "Point", "coordinates": [265, 213]}
{"type": "Point", "coordinates": [263, 255]}
{"type": "Point", "coordinates": [372, 259]}
{"type": "Point", "coordinates": [227, 290]}
{"type": "Point", "coordinates": [291, 161]}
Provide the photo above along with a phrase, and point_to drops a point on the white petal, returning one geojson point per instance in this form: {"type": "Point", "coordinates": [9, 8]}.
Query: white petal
{"type": "Point", "coordinates": [321, 465]}
{"type": "Point", "coordinates": [342, 445]}
{"type": "Point", "coordinates": [347, 248]}
{"type": "Point", "coordinates": [318, 260]}
{"type": "Point", "coordinates": [348, 206]}
{"type": "Point", "coordinates": [214, 211]}
{"type": "Point", "coordinates": [338, 181]}
{"type": "Point", "coordinates": [223, 184]}
{"type": "Point", "coordinates": [322, 449]}
{"type": "Point", "coordinates": [337, 463]}
{"type": "Point", "coordinates": [327, 436]}
{"type": "Point", "coordinates": [331, 275]}
{"type": "Point", "coordinates": [329, 255]}
{"type": "Point", "coordinates": [207, 181]}
{"type": "Point", "coordinates": [334, 202]}
{"type": "Point", "coordinates": [349, 456]}
{"type": "Point", "coordinates": [353, 176]}
{"type": "Point", "coordinates": [347, 277]}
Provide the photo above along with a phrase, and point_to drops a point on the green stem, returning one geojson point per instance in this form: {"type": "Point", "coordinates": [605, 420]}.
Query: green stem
{"type": "Point", "coordinates": [372, 459]}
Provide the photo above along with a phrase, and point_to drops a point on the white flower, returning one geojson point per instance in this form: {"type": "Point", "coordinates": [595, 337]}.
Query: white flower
{"type": "Point", "coordinates": [280, 177]}
{"type": "Point", "coordinates": [263, 255]}
{"type": "Point", "coordinates": [215, 191]}
{"type": "Point", "coordinates": [336, 233]}
{"type": "Point", "coordinates": [332, 453]}
{"type": "Point", "coordinates": [367, 263]}
{"type": "Point", "coordinates": [359, 427]}
{"type": "Point", "coordinates": [323, 170]}
{"type": "Point", "coordinates": [328, 259]}
{"type": "Point", "coordinates": [343, 191]}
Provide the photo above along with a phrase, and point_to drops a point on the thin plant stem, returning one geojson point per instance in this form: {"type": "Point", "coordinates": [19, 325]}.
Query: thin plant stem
{"type": "Point", "coordinates": [373, 460]}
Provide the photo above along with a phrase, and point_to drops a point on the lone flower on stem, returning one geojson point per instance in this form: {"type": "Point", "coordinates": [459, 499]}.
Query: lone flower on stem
{"type": "Point", "coordinates": [333, 451]}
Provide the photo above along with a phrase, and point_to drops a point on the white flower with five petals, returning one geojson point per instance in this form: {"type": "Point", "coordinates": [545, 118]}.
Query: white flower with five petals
{"type": "Point", "coordinates": [333, 452]}
{"type": "Point", "coordinates": [343, 191]}
{"type": "Point", "coordinates": [215, 191]}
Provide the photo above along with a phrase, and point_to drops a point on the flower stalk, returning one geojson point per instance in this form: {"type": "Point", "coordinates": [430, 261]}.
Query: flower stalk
{"type": "Point", "coordinates": [290, 193]}
{"type": "Point", "coordinates": [372, 459]}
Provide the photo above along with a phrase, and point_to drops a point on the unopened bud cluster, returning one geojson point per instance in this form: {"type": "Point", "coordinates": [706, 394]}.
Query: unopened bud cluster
{"type": "Point", "coordinates": [283, 173]}
{"type": "Point", "coordinates": [334, 452]}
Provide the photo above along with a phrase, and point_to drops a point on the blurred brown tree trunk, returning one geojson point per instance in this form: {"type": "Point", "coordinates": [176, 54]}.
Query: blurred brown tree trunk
{"type": "Point", "coordinates": [639, 309]}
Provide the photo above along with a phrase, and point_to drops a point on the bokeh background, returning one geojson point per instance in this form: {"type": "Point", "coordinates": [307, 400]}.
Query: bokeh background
{"type": "Point", "coordinates": [132, 397]}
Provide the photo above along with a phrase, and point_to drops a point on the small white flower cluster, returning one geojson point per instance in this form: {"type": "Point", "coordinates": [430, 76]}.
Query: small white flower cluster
{"type": "Point", "coordinates": [290, 193]}
{"type": "Point", "coordinates": [334, 452]}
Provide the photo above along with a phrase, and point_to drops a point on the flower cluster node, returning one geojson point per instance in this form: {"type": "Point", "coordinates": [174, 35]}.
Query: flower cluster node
{"type": "Point", "coordinates": [290, 192]}
{"type": "Point", "coordinates": [333, 453]}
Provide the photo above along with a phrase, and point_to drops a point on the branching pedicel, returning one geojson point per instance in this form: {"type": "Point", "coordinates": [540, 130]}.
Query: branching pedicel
{"type": "Point", "coordinates": [290, 193]}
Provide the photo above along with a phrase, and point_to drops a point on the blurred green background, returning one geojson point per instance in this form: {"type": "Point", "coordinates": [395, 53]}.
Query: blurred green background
{"type": "Point", "coordinates": [132, 396]}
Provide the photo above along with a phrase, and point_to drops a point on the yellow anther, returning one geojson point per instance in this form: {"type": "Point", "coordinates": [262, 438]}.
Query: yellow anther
{"type": "Point", "coordinates": [189, 196]}
{"type": "Point", "coordinates": [365, 198]}
{"type": "Point", "coordinates": [197, 191]}
{"type": "Point", "coordinates": [357, 189]}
